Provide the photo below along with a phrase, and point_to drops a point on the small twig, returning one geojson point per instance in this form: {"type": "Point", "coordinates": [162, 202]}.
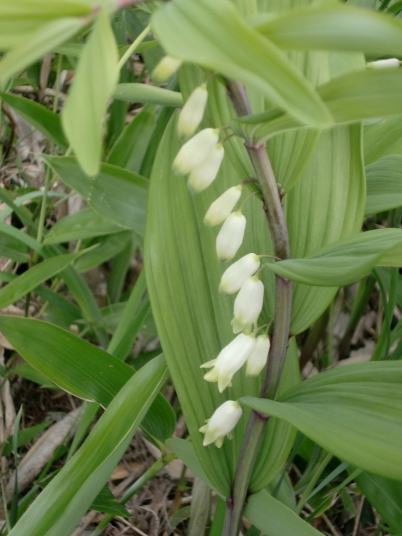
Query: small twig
{"type": "Point", "coordinates": [358, 516]}
{"type": "Point", "coordinates": [330, 526]}
{"type": "Point", "coordinates": [9, 145]}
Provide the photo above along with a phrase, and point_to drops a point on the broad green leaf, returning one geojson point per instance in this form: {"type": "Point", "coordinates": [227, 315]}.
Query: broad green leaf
{"type": "Point", "coordinates": [44, 40]}
{"type": "Point", "coordinates": [22, 237]}
{"type": "Point", "coordinates": [346, 261]}
{"type": "Point", "coordinates": [129, 150]}
{"type": "Point", "coordinates": [33, 277]}
{"type": "Point", "coordinates": [23, 437]}
{"type": "Point", "coordinates": [80, 368]}
{"type": "Point", "coordinates": [350, 98]}
{"type": "Point", "coordinates": [384, 137]}
{"type": "Point", "coordinates": [47, 122]}
{"type": "Point", "coordinates": [354, 412]}
{"type": "Point", "coordinates": [70, 362]}
{"type": "Point", "coordinates": [103, 251]}
{"type": "Point", "coordinates": [326, 184]}
{"type": "Point", "coordinates": [385, 495]}
{"type": "Point", "coordinates": [26, 371]}
{"type": "Point", "coordinates": [384, 184]}
{"type": "Point", "coordinates": [193, 320]}
{"type": "Point", "coordinates": [85, 109]}
{"type": "Point", "coordinates": [130, 320]}
{"type": "Point", "coordinates": [11, 248]}
{"type": "Point", "coordinates": [61, 505]}
{"type": "Point", "coordinates": [107, 503]}
{"type": "Point", "coordinates": [274, 518]}
{"type": "Point", "coordinates": [84, 224]}
{"type": "Point", "coordinates": [333, 26]}
{"type": "Point", "coordinates": [213, 35]}
{"type": "Point", "coordinates": [118, 195]}
{"type": "Point", "coordinates": [146, 94]}
{"type": "Point", "coordinates": [323, 185]}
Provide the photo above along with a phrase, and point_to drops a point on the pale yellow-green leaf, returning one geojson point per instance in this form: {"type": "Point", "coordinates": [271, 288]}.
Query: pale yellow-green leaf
{"type": "Point", "coordinates": [41, 42]}
{"type": "Point", "coordinates": [213, 35]}
{"type": "Point", "coordinates": [85, 109]}
{"type": "Point", "coordinates": [333, 26]}
{"type": "Point", "coordinates": [192, 318]}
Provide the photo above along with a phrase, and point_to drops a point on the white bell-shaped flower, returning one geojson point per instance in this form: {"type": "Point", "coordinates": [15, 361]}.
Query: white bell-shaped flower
{"type": "Point", "coordinates": [222, 422]}
{"type": "Point", "coordinates": [229, 361]}
{"type": "Point", "coordinates": [204, 174]}
{"type": "Point", "coordinates": [192, 112]}
{"type": "Point", "coordinates": [195, 151]}
{"type": "Point", "coordinates": [230, 236]}
{"type": "Point", "coordinates": [259, 356]}
{"type": "Point", "coordinates": [248, 305]}
{"type": "Point", "coordinates": [223, 206]}
{"type": "Point", "coordinates": [390, 63]}
{"type": "Point", "coordinates": [234, 277]}
{"type": "Point", "coordinates": [165, 69]}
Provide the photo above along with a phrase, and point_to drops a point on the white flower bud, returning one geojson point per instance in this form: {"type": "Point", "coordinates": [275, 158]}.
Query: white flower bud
{"type": "Point", "coordinates": [248, 305]}
{"type": "Point", "coordinates": [195, 151]}
{"type": "Point", "coordinates": [258, 357]}
{"type": "Point", "coordinates": [204, 174]}
{"type": "Point", "coordinates": [229, 361]}
{"type": "Point", "coordinates": [192, 112]}
{"type": "Point", "coordinates": [234, 277]}
{"type": "Point", "coordinates": [165, 69]}
{"type": "Point", "coordinates": [223, 206]}
{"type": "Point", "coordinates": [391, 63]}
{"type": "Point", "coordinates": [230, 237]}
{"type": "Point", "coordinates": [222, 422]}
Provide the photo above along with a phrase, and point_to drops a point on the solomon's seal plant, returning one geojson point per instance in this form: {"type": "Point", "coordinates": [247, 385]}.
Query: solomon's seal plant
{"type": "Point", "coordinates": [249, 152]}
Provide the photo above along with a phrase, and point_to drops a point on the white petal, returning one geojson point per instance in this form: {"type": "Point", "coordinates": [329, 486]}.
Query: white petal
{"type": "Point", "coordinates": [231, 358]}
{"type": "Point", "coordinates": [258, 357]}
{"type": "Point", "coordinates": [222, 422]}
{"type": "Point", "coordinates": [234, 277]}
{"type": "Point", "coordinates": [193, 111]}
{"type": "Point", "coordinates": [248, 305]}
{"type": "Point", "coordinates": [230, 236]}
{"type": "Point", "coordinates": [390, 63]}
{"type": "Point", "coordinates": [223, 206]}
{"type": "Point", "coordinates": [165, 69]}
{"type": "Point", "coordinates": [204, 174]}
{"type": "Point", "coordinates": [195, 151]}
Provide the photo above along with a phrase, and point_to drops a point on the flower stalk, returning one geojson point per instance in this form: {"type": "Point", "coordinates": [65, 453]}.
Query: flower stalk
{"type": "Point", "coordinates": [283, 303]}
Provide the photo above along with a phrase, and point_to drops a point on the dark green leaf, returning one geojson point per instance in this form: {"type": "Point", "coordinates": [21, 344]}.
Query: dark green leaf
{"type": "Point", "coordinates": [107, 503]}
{"type": "Point", "coordinates": [385, 495]}
{"type": "Point", "coordinates": [33, 277]}
{"type": "Point", "coordinates": [47, 122]}
{"type": "Point", "coordinates": [116, 194]}
{"type": "Point", "coordinates": [84, 224]}
{"type": "Point", "coordinates": [61, 505]}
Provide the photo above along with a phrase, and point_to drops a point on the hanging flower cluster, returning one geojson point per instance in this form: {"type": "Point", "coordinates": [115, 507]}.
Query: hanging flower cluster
{"type": "Point", "coordinates": [200, 158]}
